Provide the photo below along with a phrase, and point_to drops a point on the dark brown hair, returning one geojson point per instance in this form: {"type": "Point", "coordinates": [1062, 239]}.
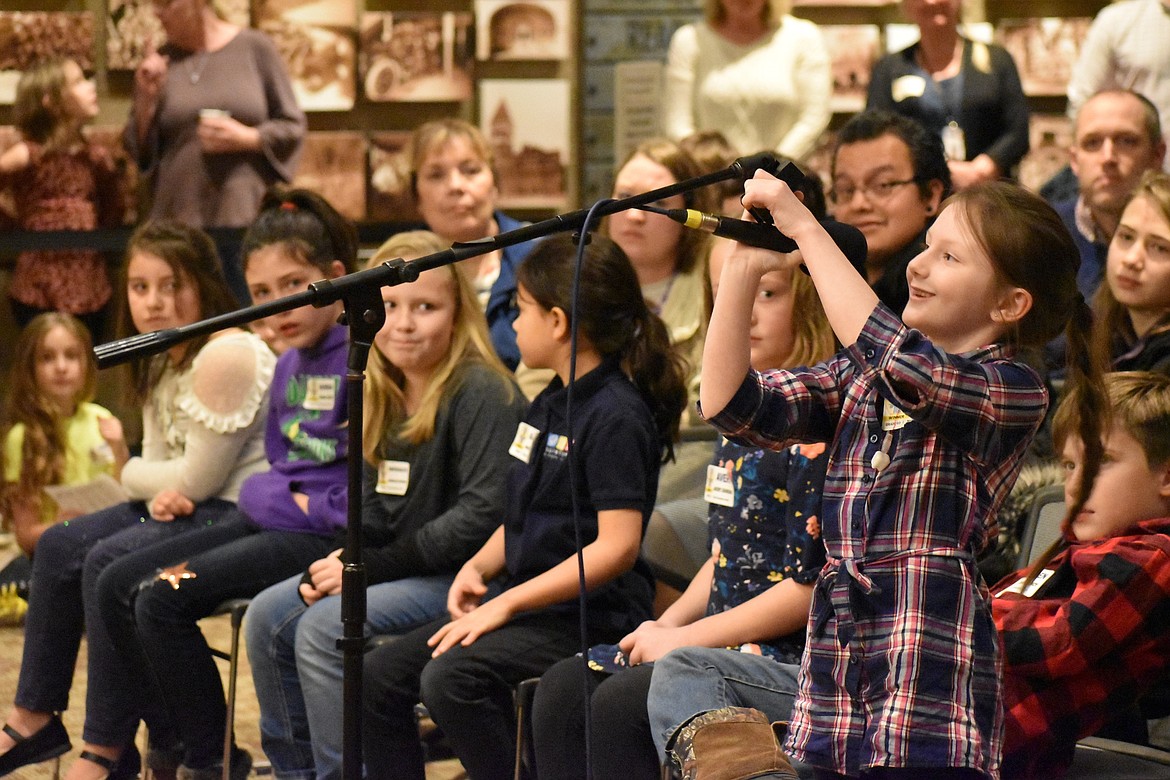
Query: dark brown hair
{"type": "Point", "coordinates": [614, 317]}
{"type": "Point", "coordinates": [192, 257]}
{"type": "Point", "coordinates": [306, 226]}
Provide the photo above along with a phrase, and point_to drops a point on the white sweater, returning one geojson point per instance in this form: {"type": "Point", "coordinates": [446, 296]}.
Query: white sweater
{"type": "Point", "coordinates": [770, 95]}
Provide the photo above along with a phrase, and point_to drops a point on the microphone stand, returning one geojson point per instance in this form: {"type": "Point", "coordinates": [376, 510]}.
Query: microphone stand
{"type": "Point", "coordinates": [364, 315]}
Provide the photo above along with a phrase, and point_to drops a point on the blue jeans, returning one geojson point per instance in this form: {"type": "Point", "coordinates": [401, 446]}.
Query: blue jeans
{"type": "Point", "coordinates": [692, 680]}
{"type": "Point", "coordinates": [297, 666]}
{"type": "Point", "coordinates": [70, 558]}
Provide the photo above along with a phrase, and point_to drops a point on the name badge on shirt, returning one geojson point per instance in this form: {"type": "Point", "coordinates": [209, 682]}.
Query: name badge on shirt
{"type": "Point", "coordinates": [321, 393]}
{"type": "Point", "coordinates": [907, 87]}
{"type": "Point", "coordinates": [719, 490]}
{"type": "Point", "coordinates": [1035, 585]}
{"type": "Point", "coordinates": [954, 142]}
{"type": "Point", "coordinates": [393, 477]}
{"type": "Point", "coordinates": [893, 418]}
{"type": "Point", "coordinates": [521, 447]}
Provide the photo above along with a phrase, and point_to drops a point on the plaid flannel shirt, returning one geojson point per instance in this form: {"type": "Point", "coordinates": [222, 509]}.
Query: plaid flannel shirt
{"type": "Point", "coordinates": [1085, 646]}
{"type": "Point", "coordinates": [902, 660]}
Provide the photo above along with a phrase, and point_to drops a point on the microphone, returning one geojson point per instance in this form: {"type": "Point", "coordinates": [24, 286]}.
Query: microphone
{"type": "Point", "coordinates": [848, 239]}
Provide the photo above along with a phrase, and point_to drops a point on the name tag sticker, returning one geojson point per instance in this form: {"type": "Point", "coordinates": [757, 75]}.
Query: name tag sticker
{"type": "Point", "coordinates": [1035, 585]}
{"type": "Point", "coordinates": [893, 418]}
{"type": "Point", "coordinates": [521, 447]}
{"type": "Point", "coordinates": [907, 87]}
{"type": "Point", "coordinates": [393, 477]}
{"type": "Point", "coordinates": [321, 393]}
{"type": "Point", "coordinates": [719, 490]}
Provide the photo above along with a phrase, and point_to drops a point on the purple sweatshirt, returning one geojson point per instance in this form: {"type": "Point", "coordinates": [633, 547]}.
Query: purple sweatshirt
{"type": "Point", "coordinates": [305, 442]}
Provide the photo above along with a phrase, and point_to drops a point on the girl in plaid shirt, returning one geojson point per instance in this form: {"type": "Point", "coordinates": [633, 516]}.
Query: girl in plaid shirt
{"type": "Point", "coordinates": [928, 420]}
{"type": "Point", "coordinates": [1085, 630]}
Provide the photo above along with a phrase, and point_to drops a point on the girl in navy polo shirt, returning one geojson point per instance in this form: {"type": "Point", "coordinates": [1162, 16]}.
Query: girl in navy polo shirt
{"type": "Point", "coordinates": [627, 398]}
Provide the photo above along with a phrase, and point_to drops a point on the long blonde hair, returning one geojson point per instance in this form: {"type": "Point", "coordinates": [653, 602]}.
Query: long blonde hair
{"type": "Point", "coordinates": [42, 454]}
{"type": "Point", "coordinates": [385, 406]}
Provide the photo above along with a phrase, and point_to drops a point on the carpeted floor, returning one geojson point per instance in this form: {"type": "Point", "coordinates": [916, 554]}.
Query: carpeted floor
{"type": "Point", "coordinates": [218, 632]}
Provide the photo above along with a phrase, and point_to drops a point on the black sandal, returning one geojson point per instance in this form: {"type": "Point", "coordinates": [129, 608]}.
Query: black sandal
{"type": "Point", "coordinates": [48, 742]}
{"type": "Point", "coordinates": [124, 767]}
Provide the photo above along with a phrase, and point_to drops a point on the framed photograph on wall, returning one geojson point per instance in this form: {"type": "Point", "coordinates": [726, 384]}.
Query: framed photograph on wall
{"type": "Point", "coordinates": [528, 30]}
{"type": "Point", "coordinates": [526, 121]}
{"type": "Point", "coordinates": [333, 164]}
{"type": "Point", "coordinates": [388, 195]}
{"type": "Point", "coordinates": [417, 56]}
{"type": "Point", "coordinates": [27, 37]}
{"type": "Point", "coordinates": [853, 48]}
{"type": "Point", "coordinates": [1050, 136]}
{"type": "Point", "coordinates": [132, 27]}
{"type": "Point", "coordinates": [316, 40]}
{"type": "Point", "coordinates": [1045, 50]}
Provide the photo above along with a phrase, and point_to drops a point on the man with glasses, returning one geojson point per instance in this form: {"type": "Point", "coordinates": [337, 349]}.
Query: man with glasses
{"type": "Point", "coordinates": [889, 176]}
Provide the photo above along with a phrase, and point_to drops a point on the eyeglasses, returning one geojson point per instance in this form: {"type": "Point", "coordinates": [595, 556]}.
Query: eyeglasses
{"type": "Point", "coordinates": [875, 191]}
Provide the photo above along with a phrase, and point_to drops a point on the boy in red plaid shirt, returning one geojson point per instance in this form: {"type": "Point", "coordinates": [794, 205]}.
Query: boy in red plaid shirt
{"type": "Point", "coordinates": [1086, 630]}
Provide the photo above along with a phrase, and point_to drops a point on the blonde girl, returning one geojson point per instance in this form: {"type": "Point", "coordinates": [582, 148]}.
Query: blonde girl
{"type": "Point", "coordinates": [59, 181]}
{"type": "Point", "coordinates": [53, 432]}
{"type": "Point", "coordinates": [928, 417]}
{"type": "Point", "coordinates": [441, 410]}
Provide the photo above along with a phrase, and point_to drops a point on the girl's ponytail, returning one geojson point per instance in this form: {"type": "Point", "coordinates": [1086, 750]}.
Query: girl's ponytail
{"type": "Point", "coordinates": [1084, 412]}
{"type": "Point", "coordinates": [659, 372]}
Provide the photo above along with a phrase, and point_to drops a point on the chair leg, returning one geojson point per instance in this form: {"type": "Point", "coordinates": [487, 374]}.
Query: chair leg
{"type": "Point", "coordinates": [233, 668]}
{"type": "Point", "coordinates": [524, 694]}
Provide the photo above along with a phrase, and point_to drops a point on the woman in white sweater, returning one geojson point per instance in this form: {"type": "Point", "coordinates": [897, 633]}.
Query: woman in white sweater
{"type": "Point", "coordinates": [753, 72]}
{"type": "Point", "coordinates": [204, 409]}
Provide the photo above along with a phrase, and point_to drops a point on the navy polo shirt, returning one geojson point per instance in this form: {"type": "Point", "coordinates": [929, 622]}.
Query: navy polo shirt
{"type": "Point", "coordinates": [617, 461]}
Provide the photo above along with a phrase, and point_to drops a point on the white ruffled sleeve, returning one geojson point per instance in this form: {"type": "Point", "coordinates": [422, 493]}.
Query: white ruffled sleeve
{"type": "Point", "coordinates": [219, 406]}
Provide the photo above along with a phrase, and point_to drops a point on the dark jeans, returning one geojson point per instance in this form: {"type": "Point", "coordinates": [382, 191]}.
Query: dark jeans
{"type": "Point", "coordinates": [238, 561]}
{"type": "Point", "coordinates": [622, 746]}
{"type": "Point", "coordinates": [467, 691]}
{"type": "Point", "coordinates": [69, 559]}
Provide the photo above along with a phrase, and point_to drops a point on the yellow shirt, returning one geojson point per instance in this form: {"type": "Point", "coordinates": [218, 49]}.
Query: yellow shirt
{"type": "Point", "coordinates": [87, 454]}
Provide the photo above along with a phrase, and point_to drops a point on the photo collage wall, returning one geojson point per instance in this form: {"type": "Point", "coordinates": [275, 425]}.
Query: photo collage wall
{"type": "Point", "coordinates": [340, 56]}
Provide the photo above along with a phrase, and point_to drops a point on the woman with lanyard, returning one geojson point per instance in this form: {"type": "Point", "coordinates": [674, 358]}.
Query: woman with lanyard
{"type": "Point", "coordinates": [966, 91]}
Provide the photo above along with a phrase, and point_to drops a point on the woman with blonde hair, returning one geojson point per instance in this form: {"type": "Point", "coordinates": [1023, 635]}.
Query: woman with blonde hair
{"type": "Point", "coordinates": [453, 181]}
{"type": "Point", "coordinates": [753, 71]}
{"type": "Point", "coordinates": [441, 410]}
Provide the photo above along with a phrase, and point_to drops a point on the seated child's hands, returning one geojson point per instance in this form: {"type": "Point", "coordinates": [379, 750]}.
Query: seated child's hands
{"type": "Point", "coordinates": [467, 589]}
{"type": "Point", "coordinates": [169, 504]}
{"type": "Point", "coordinates": [325, 576]}
{"type": "Point", "coordinates": [651, 640]}
{"type": "Point", "coordinates": [110, 429]}
{"type": "Point", "coordinates": [464, 631]}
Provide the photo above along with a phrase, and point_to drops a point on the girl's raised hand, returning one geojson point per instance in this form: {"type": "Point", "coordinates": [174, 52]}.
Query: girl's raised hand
{"type": "Point", "coordinates": [788, 213]}
{"type": "Point", "coordinates": [150, 75]}
{"type": "Point", "coordinates": [110, 429]}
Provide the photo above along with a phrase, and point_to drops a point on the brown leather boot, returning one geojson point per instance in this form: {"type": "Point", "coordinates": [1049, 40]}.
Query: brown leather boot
{"type": "Point", "coordinates": [732, 743]}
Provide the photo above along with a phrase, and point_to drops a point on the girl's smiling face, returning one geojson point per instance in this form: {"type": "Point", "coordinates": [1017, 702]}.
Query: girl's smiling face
{"type": "Point", "coordinates": [957, 298]}
{"type": "Point", "coordinates": [420, 324]}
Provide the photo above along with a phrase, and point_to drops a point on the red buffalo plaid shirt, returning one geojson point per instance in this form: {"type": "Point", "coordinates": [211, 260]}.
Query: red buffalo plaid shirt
{"type": "Point", "coordinates": [1084, 646]}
